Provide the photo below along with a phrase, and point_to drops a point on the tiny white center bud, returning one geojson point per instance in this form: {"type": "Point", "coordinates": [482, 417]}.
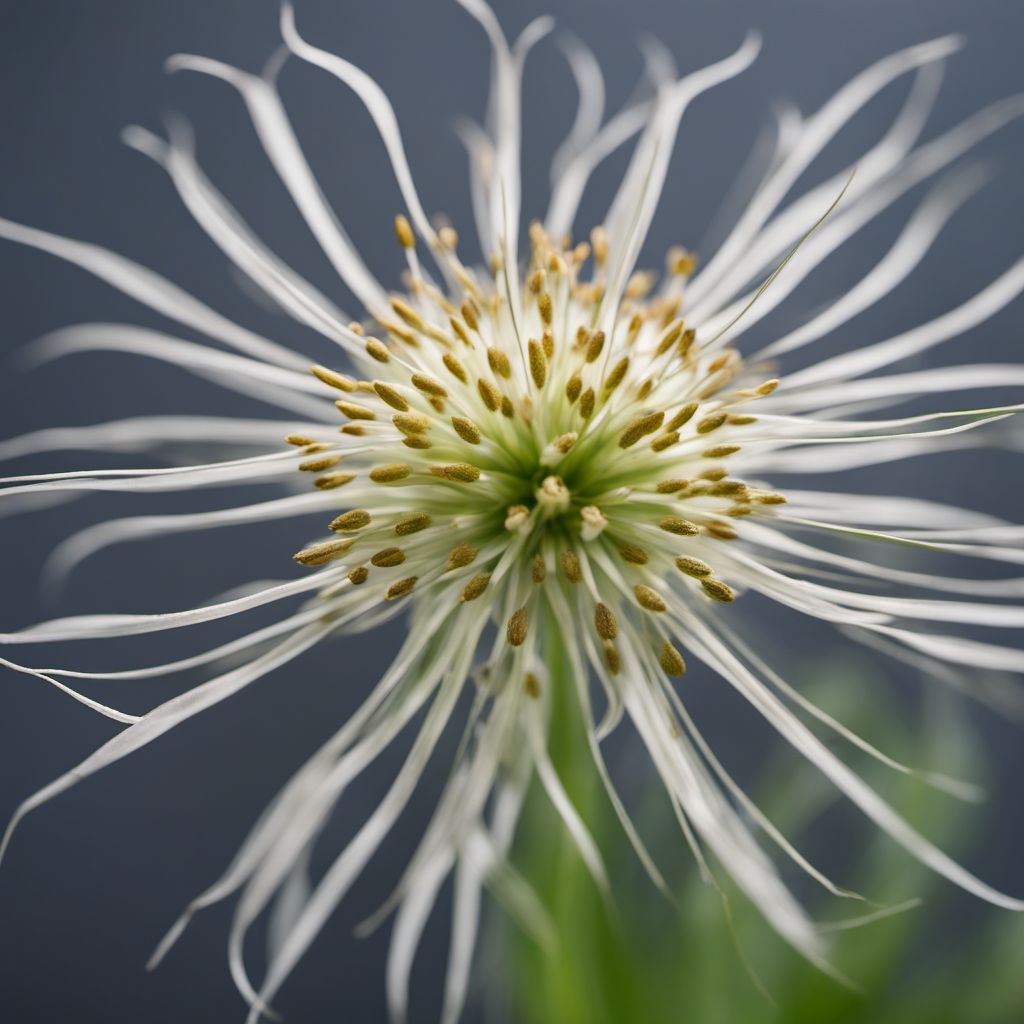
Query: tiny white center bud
{"type": "Point", "coordinates": [594, 521]}
{"type": "Point", "coordinates": [517, 517]}
{"type": "Point", "coordinates": [553, 495]}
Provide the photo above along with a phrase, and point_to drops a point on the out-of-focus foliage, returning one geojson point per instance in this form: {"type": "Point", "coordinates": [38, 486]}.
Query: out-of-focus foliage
{"type": "Point", "coordinates": [643, 960]}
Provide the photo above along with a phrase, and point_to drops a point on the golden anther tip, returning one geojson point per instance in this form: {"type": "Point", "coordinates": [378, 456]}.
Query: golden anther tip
{"type": "Point", "coordinates": [390, 472]}
{"type": "Point", "coordinates": [466, 429]}
{"type": "Point", "coordinates": [403, 232]}
{"type": "Point", "coordinates": [634, 555]}
{"type": "Point", "coordinates": [387, 558]}
{"type": "Point", "coordinates": [329, 481]}
{"type": "Point", "coordinates": [718, 591]}
{"type": "Point", "coordinates": [412, 524]}
{"type": "Point", "coordinates": [428, 385]}
{"type": "Point", "coordinates": [354, 411]}
{"type": "Point", "coordinates": [390, 396]}
{"type": "Point", "coordinates": [355, 519]}
{"type": "Point", "coordinates": [499, 362]}
{"type": "Point", "coordinates": [319, 465]}
{"type": "Point", "coordinates": [461, 555]}
{"type": "Point", "coordinates": [649, 599]}
{"type": "Point", "coordinates": [475, 587]}
{"type": "Point", "coordinates": [671, 661]}
{"type": "Point", "coordinates": [401, 588]}
{"type": "Point", "coordinates": [640, 428]}
{"type": "Point", "coordinates": [605, 623]}
{"type": "Point", "coordinates": [679, 526]}
{"type": "Point", "coordinates": [518, 626]}
{"type": "Point", "coordinates": [458, 472]}
{"type": "Point", "coordinates": [332, 379]}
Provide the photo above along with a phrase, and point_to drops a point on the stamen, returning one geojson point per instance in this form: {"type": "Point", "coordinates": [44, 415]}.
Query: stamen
{"type": "Point", "coordinates": [721, 452]}
{"type": "Point", "coordinates": [587, 403]}
{"type": "Point", "coordinates": [401, 588]}
{"type": "Point", "coordinates": [411, 423]}
{"type": "Point", "coordinates": [671, 661]}
{"type": "Point", "coordinates": [387, 558]}
{"type": "Point", "coordinates": [355, 519]}
{"type": "Point", "coordinates": [475, 587]}
{"type": "Point", "coordinates": [354, 411]}
{"type": "Point", "coordinates": [605, 622]}
{"type": "Point", "coordinates": [329, 481]}
{"type": "Point", "coordinates": [633, 554]}
{"type": "Point", "coordinates": [403, 231]}
{"type": "Point", "coordinates": [693, 567]}
{"type": "Point", "coordinates": [466, 429]}
{"type": "Point", "coordinates": [684, 415]}
{"type": "Point", "coordinates": [376, 349]}
{"type": "Point", "coordinates": [718, 590]}
{"type": "Point", "coordinates": [332, 379]}
{"type": "Point", "coordinates": [455, 367]}
{"type": "Point", "coordinates": [490, 395]}
{"type": "Point", "coordinates": [679, 526]}
{"type": "Point", "coordinates": [389, 395]}
{"type": "Point", "coordinates": [518, 626]}
{"type": "Point", "coordinates": [538, 365]}
{"type": "Point", "coordinates": [641, 428]}
{"type": "Point", "coordinates": [428, 385]}
{"type": "Point", "coordinates": [412, 524]}
{"type": "Point", "coordinates": [390, 472]}
{"type": "Point", "coordinates": [458, 472]}
{"type": "Point", "coordinates": [499, 363]}
{"type": "Point", "coordinates": [612, 658]}
{"type": "Point", "coordinates": [319, 554]}
{"type": "Point", "coordinates": [649, 599]}
{"type": "Point", "coordinates": [462, 555]}
{"type": "Point", "coordinates": [571, 566]}
{"type": "Point", "coordinates": [358, 575]}
{"type": "Point", "coordinates": [319, 465]}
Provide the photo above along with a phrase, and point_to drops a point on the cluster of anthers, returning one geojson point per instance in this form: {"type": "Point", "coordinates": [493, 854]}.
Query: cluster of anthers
{"type": "Point", "coordinates": [505, 446]}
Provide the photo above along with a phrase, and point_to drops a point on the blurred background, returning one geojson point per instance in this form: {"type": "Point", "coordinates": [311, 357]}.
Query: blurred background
{"type": "Point", "coordinates": [92, 880]}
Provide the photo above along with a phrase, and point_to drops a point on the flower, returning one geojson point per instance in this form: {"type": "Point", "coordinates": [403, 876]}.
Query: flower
{"type": "Point", "coordinates": [568, 449]}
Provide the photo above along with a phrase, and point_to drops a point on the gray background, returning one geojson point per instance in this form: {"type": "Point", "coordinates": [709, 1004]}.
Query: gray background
{"type": "Point", "coordinates": [92, 880]}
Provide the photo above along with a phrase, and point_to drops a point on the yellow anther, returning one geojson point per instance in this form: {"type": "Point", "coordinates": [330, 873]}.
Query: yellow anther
{"type": "Point", "coordinates": [466, 429]}
{"type": "Point", "coordinates": [347, 522]}
{"type": "Point", "coordinates": [475, 587]}
{"type": "Point", "coordinates": [718, 591]}
{"type": "Point", "coordinates": [671, 660]}
{"type": "Point", "coordinates": [499, 363]}
{"type": "Point", "coordinates": [401, 588]}
{"type": "Point", "coordinates": [390, 396]}
{"type": "Point", "coordinates": [332, 379]}
{"type": "Point", "coordinates": [605, 623]}
{"type": "Point", "coordinates": [390, 472]}
{"type": "Point", "coordinates": [403, 231]}
{"type": "Point", "coordinates": [412, 524]}
{"type": "Point", "coordinates": [679, 526]}
{"type": "Point", "coordinates": [428, 385]}
{"type": "Point", "coordinates": [649, 599]}
{"type": "Point", "coordinates": [387, 558]}
{"type": "Point", "coordinates": [458, 472]}
{"type": "Point", "coordinates": [518, 626]}
{"type": "Point", "coordinates": [640, 428]}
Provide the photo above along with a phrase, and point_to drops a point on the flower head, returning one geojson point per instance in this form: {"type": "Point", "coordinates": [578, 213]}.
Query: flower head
{"type": "Point", "coordinates": [561, 466]}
